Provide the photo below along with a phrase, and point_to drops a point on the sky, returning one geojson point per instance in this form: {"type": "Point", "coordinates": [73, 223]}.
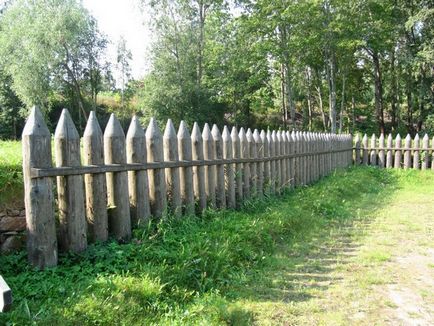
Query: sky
{"type": "Point", "coordinates": [123, 17]}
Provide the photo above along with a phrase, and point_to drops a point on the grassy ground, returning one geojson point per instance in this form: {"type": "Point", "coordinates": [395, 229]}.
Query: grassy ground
{"type": "Point", "coordinates": [11, 176]}
{"type": "Point", "coordinates": [344, 251]}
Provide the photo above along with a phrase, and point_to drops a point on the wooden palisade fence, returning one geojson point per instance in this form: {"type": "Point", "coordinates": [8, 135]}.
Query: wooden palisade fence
{"type": "Point", "coordinates": [120, 182]}
{"type": "Point", "coordinates": [386, 153]}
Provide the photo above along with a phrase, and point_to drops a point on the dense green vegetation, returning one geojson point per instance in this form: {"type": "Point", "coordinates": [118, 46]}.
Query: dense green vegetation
{"type": "Point", "coordinates": [11, 175]}
{"type": "Point", "coordinates": [197, 269]}
{"type": "Point", "coordinates": [315, 64]}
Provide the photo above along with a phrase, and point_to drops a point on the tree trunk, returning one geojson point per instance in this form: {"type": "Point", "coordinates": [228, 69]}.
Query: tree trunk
{"type": "Point", "coordinates": [379, 111]}
{"type": "Point", "coordinates": [321, 108]}
{"type": "Point", "coordinates": [282, 91]}
{"type": "Point", "coordinates": [409, 107]}
{"type": "Point", "coordinates": [394, 90]}
{"type": "Point", "coordinates": [341, 114]}
{"type": "Point", "coordinates": [353, 106]}
{"type": "Point", "coordinates": [309, 97]}
{"type": "Point", "coordinates": [332, 92]}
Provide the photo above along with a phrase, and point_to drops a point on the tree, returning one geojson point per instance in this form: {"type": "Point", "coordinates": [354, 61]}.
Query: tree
{"type": "Point", "coordinates": [123, 59]}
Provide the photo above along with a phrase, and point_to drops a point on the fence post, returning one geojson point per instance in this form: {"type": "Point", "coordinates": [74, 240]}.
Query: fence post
{"type": "Point", "coordinates": [246, 166]}
{"type": "Point", "coordinates": [416, 153]}
{"type": "Point", "coordinates": [220, 168]}
{"type": "Point", "coordinates": [253, 154]}
{"type": "Point", "coordinates": [278, 171]}
{"type": "Point", "coordinates": [357, 150]}
{"type": "Point", "coordinates": [381, 154]}
{"type": "Point", "coordinates": [295, 161]}
{"type": "Point", "coordinates": [198, 171]}
{"type": "Point", "coordinates": [271, 153]}
{"type": "Point", "coordinates": [229, 169]}
{"type": "Point", "coordinates": [236, 153]}
{"type": "Point", "coordinates": [398, 153]}
{"type": "Point", "coordinates": [291, 165]}
{"type": "Point", "coordinates": [259, 165]}
{"type": "Point", "coordinates": [117, 182]}
{"type": "Point", "coordinates": [267, 163]}
{"type": "Point", "coordinates": [283, 167]}
{"type": "Point", "coordinates": [425, 146]}
{"type": "Point", "coordinates": [95, 184]}
{"type": "Point", "coordinates": [407, 152]}
{"type": "Point", "coordinates": [373, 154]}
{"type": "Point", "coordinates": [157, 179]}
{"type": "Point", "coordinates": [208, 155]}
{"type": "Point", "coordinates": [186, 173]}
{"type": "Point", "coordinates": [389, 155]}
{"type": "Point", "coordinates": [137, 180]}
{"type": "Point", "coordinates": [38, 193]}
{"type": "Point", "coordinates": [72, 221]}
{"type": "Point", "coordinates": [173, 187]}
{"type": "Point", "coordinates": [365, 149]}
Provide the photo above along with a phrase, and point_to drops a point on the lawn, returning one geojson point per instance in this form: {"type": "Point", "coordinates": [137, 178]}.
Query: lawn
{"type": "Point", "coordinates": [11, 176]}
{"type": "Point", "coordinates": [330, 254]}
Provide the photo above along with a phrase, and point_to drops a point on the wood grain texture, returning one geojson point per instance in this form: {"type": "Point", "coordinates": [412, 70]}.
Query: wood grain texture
{"type": "Point", "coordinates": [186, 173]}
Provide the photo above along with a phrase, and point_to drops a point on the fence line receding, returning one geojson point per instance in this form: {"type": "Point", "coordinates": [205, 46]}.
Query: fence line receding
{"type": "Point", "coordinates": [118, 182]}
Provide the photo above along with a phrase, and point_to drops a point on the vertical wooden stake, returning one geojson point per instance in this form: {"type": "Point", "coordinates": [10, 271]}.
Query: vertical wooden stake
{"type": "Point", "coordinates": [398, 153]}
{"type": "Point", "coordinates": [259, 165]}
{"type": "Point", "coordinates": [373, 154]}
{"type": "Point", "coordinates": [208, 154]}
{"type": "Point", "coordinates": [138, 187]}
{"type": "Point", "coordinates": [416, 153]}
{"type": "Point", "coordinates": [267, 164]}
{"type": "Point", "coordinates": [220, 168]}
{"type": "Point", "coordinates": [245, 153]}
{"type": "Point", "coordinates": [117, 182]}
{"type": "Point", "coordinates": [253, 154]}
{"type": "Point", "coordinates": [272, 154]}
{"type": "Point", "coordinates": [236, 153]}
{"type": "Point", "coordinates": [198, 171]}
{"type": "Point", "coordinates": [229, 169]}
{"type": "Point", "coordinates": [95, 184]}
{"type": "Point", "coordinates": [70, 189]}
{"type": "Point", "coordinates": [407, 152]}
{"type": "Point", "coordinates": [389, 155]}
{"type": "Point", "coordinates": [157, 178]}
{"type": "Point", "coordinates": [186, 173]}
{"type": "Point", "coordinates": [170, 148]}
{"type": "Point", "coordinates": [381, 154]}
{"type": "Point", "coordinates": [365, 150]}
{"type": "Point", "coordinates": [38, 193]}
{"type": "Point", "coordinates": [425, 160]}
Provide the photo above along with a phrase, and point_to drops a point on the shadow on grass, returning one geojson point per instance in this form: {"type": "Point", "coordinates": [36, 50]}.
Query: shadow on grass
{"type": "Point", "coordinates": [190, 270]}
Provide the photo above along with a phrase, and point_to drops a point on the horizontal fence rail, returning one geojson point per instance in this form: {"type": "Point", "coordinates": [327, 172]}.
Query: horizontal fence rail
{"type": "Point", "coordinates": [117, 181]}
{"type": "Point", "coordinates": [394, 153]}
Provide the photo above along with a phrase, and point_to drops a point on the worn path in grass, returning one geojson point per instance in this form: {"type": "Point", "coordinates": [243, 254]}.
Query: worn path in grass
{"type": "Point", "coordinates": [354, 249]}
{"type": "Point", "coordinates": [376, 268]}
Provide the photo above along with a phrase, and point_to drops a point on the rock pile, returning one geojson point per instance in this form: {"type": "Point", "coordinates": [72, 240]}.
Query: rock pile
{"type": "Point", "coordinates": [12, 230]}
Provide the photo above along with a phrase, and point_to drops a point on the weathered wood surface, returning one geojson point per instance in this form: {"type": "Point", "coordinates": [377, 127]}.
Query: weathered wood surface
{"type": "Point", "coordinates": [173, 186]}
{"type": "Point", "coordinates": [381, 153]}
{"type": "Point", "coordinates": [259, 165]}
{"type": "Point", "coordinates": [236, 153]}
{"type": "Point", "coordinates": [117, 182]}
{"type": "Point", "coordinates": [95, 184]}
{"type": "Point", "coordinates": [389, 155]}
{"type": "Point", "coordinates": [138, 187]}
{"type": "Point", "coordinates": [245, 153]}
{"type": "Point", "coordinates": [208, 154]}
{"type": "Point", "coordinates": [272, 153]}
{"type": "Point", "coordinates": [253, 155]}
{"type": "Point", "coordinates": [186, 173]}
{"type": "Point", "coordinates": [416, 153]}
{"type": "Point", "coordinates": [198, 171]}
{"type": "Point", "coordinates": [229, 169]}
{"type": "Point", "coordinates": [70, 189]}
{"type": "Point", "coordinates": [38, 193]}
{"type": "Point", "coordinates": [267, 164]}
{"type": "Point", "coordinates": [407, 153]}
{"type": "Point", "coordinates": [156, 177]}
{"type": "Point", "coordinates": [425, 155]}
{"type": "Point", "coordinates": [220, 168]}
{"type": "Point", "coordinates": [398, 153]}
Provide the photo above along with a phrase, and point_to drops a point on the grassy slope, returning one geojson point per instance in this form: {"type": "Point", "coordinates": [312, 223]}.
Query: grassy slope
{"type": "Point", "coordinates": [305, 258]}
{"type": "Point", "coordinates": [11, 179]}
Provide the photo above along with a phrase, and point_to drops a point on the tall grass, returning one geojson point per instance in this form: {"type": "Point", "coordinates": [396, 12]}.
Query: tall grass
{"type": "Point", "coordinates": [11, 176]}
{"type": "Point", "coordinates": [188, 270]}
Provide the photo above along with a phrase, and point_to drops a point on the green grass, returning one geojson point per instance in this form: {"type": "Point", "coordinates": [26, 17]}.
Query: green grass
{"type": "Point", "coordinates": [308, 257]}
{"type": "Point", "coordinates": [11, 176]}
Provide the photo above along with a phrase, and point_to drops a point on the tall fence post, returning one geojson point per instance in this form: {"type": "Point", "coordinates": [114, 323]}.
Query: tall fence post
{"type": "Point", "coordinates": [72, 221]}
{"type": "Point", "coordinates": [117, 182]}
{"type": "Point", "coordinates": [156, 177]}
{"type": "Point", "coordinates": [237, 167]}
{"type": "Point", "coordinates": [95, 184]}
{"type": "Point", "coordinates": [259, 165]}
{"type": "Point", "coordinates": [245, 153]}
{"type": "Point", "coordinates": [220, 168]}
{"type": "Point", "coordinates": [252, 154]}
{"type": "Point", "coordinates": [407, 152]}
{"type": "Point", "coordinates": [208, 155]}
{"type": "Point", "coordinates": [198, 171]}
{"type": "Point", "coordinates": [267, 163]}
{"type": "Point", "coordinates": [138, 188]}
{"type": "Point", "coordinates": [381, 154]}
{"type": "Point", "coordinates": [186, 173]}
{"type": "Point", "coordinates": [38, 193]}
{"type": "Point", "coordinates": [173, 187]}
{"type": "Point", "coordinates": [229, 169]}
{"type": "Point", "coordinates": [373, 154]}
{"type": "Point", "coordinates": [389, 155]}
{"type": "Point", "coordinates": [416, 153]}
{"type": "Point", "coordinates": [425, 146]}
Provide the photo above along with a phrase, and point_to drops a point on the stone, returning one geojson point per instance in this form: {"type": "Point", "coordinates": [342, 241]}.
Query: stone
{"type": "Point", "coordinates": [5, 296]}
{"type": "Point", "coordinates": [12, 244]}
{"type": "Point", "coordinates": [23, 212]}
{"type": "Point", "coordinates": [14, 212]}
{"type": "Point", "coordinates": [10, 223]}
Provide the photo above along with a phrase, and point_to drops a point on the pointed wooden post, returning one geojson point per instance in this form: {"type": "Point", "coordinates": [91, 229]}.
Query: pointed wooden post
{"type": "Point", "coordinates": [186, 173]}
{"type": "Point", "coordinates": [259, 165]}
{"type": "Point", "coordinates": [208, 155]}
{"type": "Point", "coordinates": [198, 171]}
{"type": "Point", "coordinates": [425, 158]}
{"type": "Point", "coordinates": [170, 147]}
{"type": "Point", "coordinates": [272, 154]}
{"type": "Point", "coordinates": [389, 155]}
{"type": "Point", "coordinates": [38, 193]}
{"type": "Point", "coordinates": [416, 152]}
{"type": "Point", "coordinates": [245, 153]}
{"type": "Point", "coordinates": [381, 154]}
{"type": "Point", "coordinates": [95, 184]}
{"type": "Point", "coordinates": [291, 165]}
{"type": "Point", "coordinates": [156, 177]}
{"type": "Point", "coordinates": [303, 164]}
{"type": "Point", "coordinates": [407, 152]}
{"type": "Point", "coordinates": [294, 140]}
{"type": "Point", "coordinates": [365, 149]}
{"type": "Point", "coordinates": [236, 154]}
{"type": "Point", "coordinates": [398, 153]}
{"type": "Point", "coordinates": [117, 182]}
{"type": "Point", "coordinates": [267, 164]}
{"type": "Point", "coordinates": [373, 153]}
{"type": "Point", "coordinates": [283, 165]}
{"type": "Point", "coordinates": [70, 190]}
{"type": "Point", "coordinates": [219, 168]}
{"type": "Point", "coordinates": [138, 188]}
{"type": "Point", "coordinates": [278, 179]}
{"type": "Point", "coordinates": [252, 154]}
{"type": "Point", "coordinates": [229, 169]}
